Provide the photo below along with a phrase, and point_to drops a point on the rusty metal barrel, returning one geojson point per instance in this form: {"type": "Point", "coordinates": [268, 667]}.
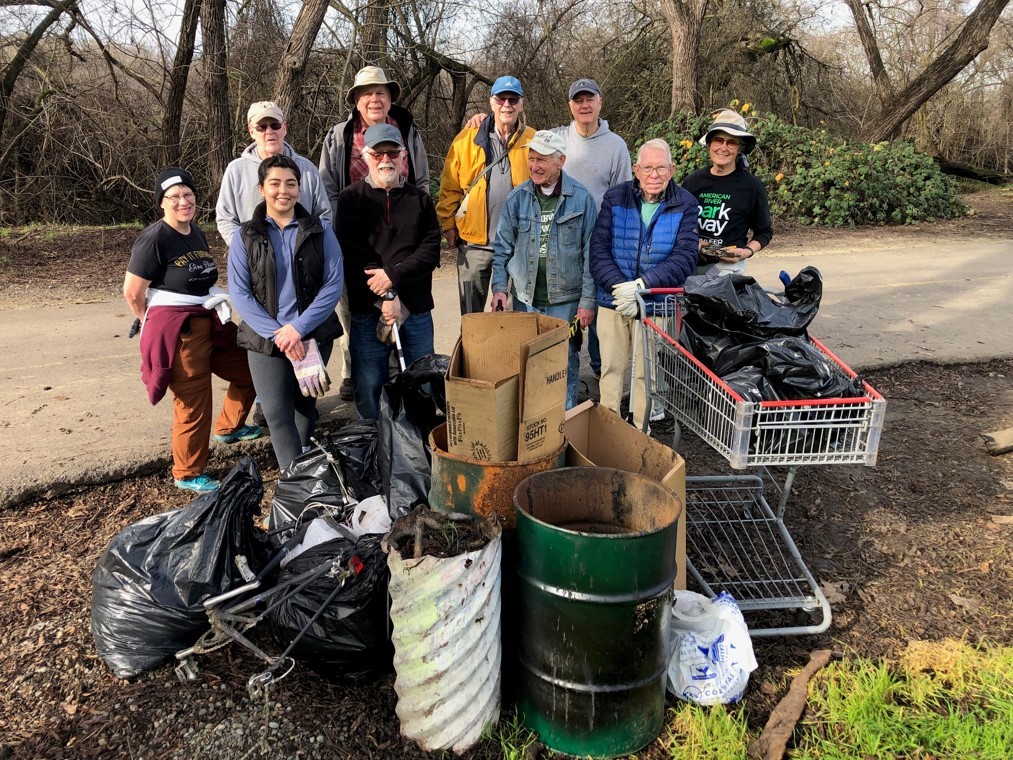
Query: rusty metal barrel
{"type": "Point", "coordinates": [596, 567]}
{"type": "Point", "coordinates": [480, 487]}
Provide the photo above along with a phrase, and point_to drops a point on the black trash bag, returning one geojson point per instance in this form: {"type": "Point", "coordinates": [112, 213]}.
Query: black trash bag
{"type": "Point", "coordinates": [796, 369]}
{"type": "Point", "coordinates": [350, 641]}
{"type": "Point", "coordinates": [738, 305]}
{"type": "Point", "coordinates": [412, 404]}
{"type": "Point", "coordinates": [705, 343]}
{"type": "Point", "coordinates": [149, 584]}
{"type": "Point", "coordinates": [311, 478]}
{"type": "Point", "coordinates": [750, 383]}
{"type": "Point", "coordinates": [355, 446]}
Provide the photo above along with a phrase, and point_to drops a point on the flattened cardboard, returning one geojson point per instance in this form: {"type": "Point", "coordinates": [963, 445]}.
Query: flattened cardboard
{"type": "Point", "coordinates": [506, 386]}
{"type": "Point", "coordinates": [597, 436]}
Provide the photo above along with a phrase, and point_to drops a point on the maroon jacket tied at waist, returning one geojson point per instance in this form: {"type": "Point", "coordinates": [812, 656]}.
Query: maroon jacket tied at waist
{"type": "Point", "coordinates": [160, 340]}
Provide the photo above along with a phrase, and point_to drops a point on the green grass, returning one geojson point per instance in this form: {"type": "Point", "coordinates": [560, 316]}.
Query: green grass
{"type": "Point", "coordinates": [939, 700]}
{"type": "Point", "coordinates": [514, 739]}
{"type": "Point", "coordinates": [706, 733]}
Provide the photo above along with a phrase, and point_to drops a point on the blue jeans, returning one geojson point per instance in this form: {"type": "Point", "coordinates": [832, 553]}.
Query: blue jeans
{"type": "Point", "coordinates": [371, 358]}
{"type": "Point", "coordinates": [566, 312]}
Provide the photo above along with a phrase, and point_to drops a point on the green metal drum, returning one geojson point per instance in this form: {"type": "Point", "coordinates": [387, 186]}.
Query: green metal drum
{"type": "Point", "coordinates": [597, 562]}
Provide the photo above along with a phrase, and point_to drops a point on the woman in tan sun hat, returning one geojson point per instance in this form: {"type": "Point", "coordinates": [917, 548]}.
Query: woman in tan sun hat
{"type": "Point", "coordinates": [734, 212]}
{"type": "Point", "coordinates": [372, 97]}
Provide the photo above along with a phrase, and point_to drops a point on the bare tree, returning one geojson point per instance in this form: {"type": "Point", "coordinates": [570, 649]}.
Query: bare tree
{"type": "Point", "coordinates": [216, 85]}
{"type": "Point", "coordinates": [177, 81]}
{"type": "Point", "coordinates": [17, 64]}
{"type": "Point", "coordinates": [374, 32]}
{"type": "Point", "coordinates": [297, 53]}
{"type": "Point", "coordinates": [972, 40]}
{"type": "Point", "coordinates": [884, 90]}
{"type": "Point", "coordinates": [684, 17]}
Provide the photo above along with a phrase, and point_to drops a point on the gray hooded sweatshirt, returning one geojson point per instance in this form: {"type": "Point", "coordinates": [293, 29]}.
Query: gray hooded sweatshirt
{"type": "Point", "coordinates": [239, 196]}
{"type": "Point", "coordinates": [597, 162]}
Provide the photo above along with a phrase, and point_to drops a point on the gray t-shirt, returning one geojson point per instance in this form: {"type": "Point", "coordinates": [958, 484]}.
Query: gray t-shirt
{"type": "Point", "coordinates": [499, 184]}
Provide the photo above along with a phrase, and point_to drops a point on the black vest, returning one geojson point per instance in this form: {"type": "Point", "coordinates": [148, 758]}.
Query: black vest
{"type": "Point", "coordinates": [307, 270]}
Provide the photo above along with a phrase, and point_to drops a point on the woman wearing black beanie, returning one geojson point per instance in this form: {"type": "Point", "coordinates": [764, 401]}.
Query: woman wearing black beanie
{"type": "Point", "coordinates": [187, 334]}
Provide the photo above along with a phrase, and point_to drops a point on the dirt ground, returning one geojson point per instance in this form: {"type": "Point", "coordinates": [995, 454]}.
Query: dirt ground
{"type": "Point", "coordinates": [914, 548]}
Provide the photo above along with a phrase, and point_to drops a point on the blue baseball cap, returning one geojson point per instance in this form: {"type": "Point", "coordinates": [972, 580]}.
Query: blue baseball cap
{"type": "Point", "coordinates": [507, 84]}
{"type": "Point", "coordinates": [382, 133]}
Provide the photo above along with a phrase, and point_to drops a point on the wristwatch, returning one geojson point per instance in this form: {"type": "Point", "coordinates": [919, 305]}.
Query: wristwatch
{"type": "Point", "coordinates": [390, 295]}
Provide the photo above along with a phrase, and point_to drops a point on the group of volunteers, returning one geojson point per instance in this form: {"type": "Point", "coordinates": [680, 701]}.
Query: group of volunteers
{"type": "Point", "coordinates": [556, 221]}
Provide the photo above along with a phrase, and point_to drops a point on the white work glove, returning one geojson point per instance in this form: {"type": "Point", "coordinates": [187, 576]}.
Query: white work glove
{"type": "Point", "coordinates": [627, 290]}
{"type": "Point", "coordinates": [627, 308]}
{"type": "Point", "coordinates": [311, 372]}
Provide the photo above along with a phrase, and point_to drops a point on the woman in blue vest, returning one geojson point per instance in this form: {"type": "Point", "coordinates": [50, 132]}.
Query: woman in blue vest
{"type": "Point", "coordinates": [285, 278]}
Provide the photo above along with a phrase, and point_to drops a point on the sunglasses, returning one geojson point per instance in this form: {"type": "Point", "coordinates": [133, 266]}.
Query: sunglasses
{"type": "Point", "coordinates": [731, 142]}
{"type": "Point", "coordinates": [392, 153]}
{"type": "Point", "coordinates": [511, 99]}
{"type": "Point", "coordinates": [274, 126]}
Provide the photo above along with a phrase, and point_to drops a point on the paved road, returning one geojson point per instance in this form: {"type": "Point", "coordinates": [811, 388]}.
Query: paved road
{"type": "Point", "coordinates": [73, 410]}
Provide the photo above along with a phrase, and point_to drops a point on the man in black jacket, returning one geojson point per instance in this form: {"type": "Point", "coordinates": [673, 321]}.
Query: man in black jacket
{"type": "Point", "coordinates": [390, 238]}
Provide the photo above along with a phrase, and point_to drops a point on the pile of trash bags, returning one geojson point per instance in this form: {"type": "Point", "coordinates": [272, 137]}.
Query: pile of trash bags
{"type": "Point", "coordinates": [758, 343]}
{"type": "Point", "coordinates": [319, 562]}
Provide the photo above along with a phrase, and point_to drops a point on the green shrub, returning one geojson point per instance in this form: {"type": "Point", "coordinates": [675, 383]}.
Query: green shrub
{"type": "Point", "coordinates": [816, 178]}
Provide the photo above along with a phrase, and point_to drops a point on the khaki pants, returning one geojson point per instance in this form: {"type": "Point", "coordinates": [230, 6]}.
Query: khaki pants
{"type": "Point", "coordinates": [615, 340]}
{"type": "Point", "coordinates": [474, 272]}
{"type": "Point", "coordinates": [196, 360]}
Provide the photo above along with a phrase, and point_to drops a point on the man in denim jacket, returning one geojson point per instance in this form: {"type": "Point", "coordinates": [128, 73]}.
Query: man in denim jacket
{"type": "Point", "coordinates": [542, 245]}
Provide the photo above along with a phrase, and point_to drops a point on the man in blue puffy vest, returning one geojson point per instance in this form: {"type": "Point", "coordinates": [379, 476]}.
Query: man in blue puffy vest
{"type": "Point", "coordinates": [645, 237]}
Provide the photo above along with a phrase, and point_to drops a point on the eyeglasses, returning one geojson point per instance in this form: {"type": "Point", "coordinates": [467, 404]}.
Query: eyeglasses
{"type": "Point", "coordinates": [511, 99]}
{"type": "Point", "coordinates": [274, 126]}
{"type": "Point", "coordinates": [731, 142]}
{"type": "Point", "coordinates": [659, 171]}
{"type": "Point", "coordinates": [378, 154]}
{"type": "Point", "coordinates": [175, 200]}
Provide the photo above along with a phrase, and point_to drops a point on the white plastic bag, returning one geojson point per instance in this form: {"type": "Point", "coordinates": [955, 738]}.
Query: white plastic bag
{"type": "Point", "coordinates": [370, 516]}
{"type": "Point", "coordinates": [712, 653]}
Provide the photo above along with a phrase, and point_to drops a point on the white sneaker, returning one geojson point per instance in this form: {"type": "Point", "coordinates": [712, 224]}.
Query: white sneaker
{"type": "Point", "coordinates": [658, 414]}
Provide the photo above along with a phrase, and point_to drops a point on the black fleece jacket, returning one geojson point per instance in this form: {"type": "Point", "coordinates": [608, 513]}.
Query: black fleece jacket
{"type": "Point", "coordinates": [396, 229]}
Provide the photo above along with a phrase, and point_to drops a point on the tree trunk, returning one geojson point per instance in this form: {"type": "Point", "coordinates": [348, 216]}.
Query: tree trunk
{"type": "Point", "coordinates": [297, 52]}
{"type": "Point", "coordinates": [971, 41]}
{"type": "Point", "coordinates": [177, 82]}
{"type": "Point", "coordinates": [216, 85]}
{"type": "Point", "coordinates": [374, 32]}
{"type": "Point", "coordinates": [684, 17]}
{"type": "Point", "coordinates": [13, 69]}
{"type": "Point", "coordinates": [879, 76]}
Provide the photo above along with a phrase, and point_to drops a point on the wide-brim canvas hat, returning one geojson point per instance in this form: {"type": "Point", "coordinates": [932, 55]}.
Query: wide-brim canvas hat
{"type": "Point", "coordinates": [731, 123]}
{"type": "Point", "coordinates": [370, 75]}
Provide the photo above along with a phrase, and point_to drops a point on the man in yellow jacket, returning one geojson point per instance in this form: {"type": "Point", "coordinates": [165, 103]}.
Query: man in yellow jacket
{"type": "Point", "coordinates": [483, 165]}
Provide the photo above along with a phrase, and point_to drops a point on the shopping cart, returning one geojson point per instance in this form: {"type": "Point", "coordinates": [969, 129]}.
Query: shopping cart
{"type": "Point", "coordinates": [736, 542]}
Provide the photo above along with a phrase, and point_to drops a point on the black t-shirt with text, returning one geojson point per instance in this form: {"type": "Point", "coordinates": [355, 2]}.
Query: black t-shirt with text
{"type": "Point", "coordinates": [730, 206]}
{"type": "Point", "coordinates": [173, 261]}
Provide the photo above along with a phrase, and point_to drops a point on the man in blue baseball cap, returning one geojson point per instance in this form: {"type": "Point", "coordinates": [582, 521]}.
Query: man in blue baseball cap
{"type": "Point", "coordinates": [483, 165]}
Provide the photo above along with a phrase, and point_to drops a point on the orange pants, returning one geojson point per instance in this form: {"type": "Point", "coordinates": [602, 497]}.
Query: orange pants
{"type": "Point", "coordinates": [196, 360]}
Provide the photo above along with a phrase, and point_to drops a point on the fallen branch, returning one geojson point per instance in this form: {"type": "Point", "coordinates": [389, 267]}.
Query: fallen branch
{"type": "Point", "coordinates": [781, 723]}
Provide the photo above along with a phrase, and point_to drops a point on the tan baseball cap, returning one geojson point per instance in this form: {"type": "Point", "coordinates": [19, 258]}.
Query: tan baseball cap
{"type": "Point", "coordinates": [547, 143]}
{"type": "Point", "coordinates": [264, 109]}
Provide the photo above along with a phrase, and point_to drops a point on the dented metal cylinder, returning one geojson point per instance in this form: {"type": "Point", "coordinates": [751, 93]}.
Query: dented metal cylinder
{"type": "Point", "coordinates": [477, 486]}
{"type": "Point", "coordinates": [445, 615]}
{"type": "Point", "coordinates": [597, 563]}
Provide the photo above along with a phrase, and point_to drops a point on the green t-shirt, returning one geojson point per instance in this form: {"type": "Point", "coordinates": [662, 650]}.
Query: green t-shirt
{"type": "Point", "coordinates": [647, 211]}
{"type": "Point", "coordinates": [548, 204]}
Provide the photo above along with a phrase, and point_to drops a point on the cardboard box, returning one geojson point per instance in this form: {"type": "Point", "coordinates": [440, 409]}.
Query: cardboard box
{"type": "Point", "coordinates": [506, 386]}
{"type": "Point", "coordinates": [599, 437]}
